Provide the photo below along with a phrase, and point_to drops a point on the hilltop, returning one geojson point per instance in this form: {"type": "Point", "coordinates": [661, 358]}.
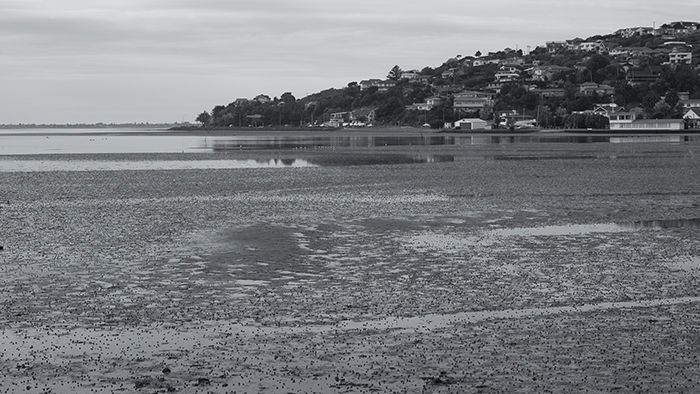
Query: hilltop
{"type": "Point", "coordinates": [637, 72]}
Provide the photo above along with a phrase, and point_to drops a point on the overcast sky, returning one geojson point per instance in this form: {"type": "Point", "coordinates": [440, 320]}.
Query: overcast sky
{"type": "Point", "coordinates": [68, 61]}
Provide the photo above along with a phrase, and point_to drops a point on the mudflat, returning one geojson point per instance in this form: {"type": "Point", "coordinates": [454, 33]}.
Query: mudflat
{"type": "Point", "coordinates": [497, 268]}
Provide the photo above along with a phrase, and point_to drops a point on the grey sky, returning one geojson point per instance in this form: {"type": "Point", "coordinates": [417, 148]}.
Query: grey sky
{"type": "Point", "coordinates": [165, 60]}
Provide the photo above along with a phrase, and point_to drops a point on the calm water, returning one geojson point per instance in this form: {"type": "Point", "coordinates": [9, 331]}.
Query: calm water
{"type": "Point", "coordinates": [10, 164]}
{"type": "Point", "coordinates": [62, 141]}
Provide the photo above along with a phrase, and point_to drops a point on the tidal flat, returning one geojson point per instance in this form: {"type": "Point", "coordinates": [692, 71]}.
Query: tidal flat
{"type": "Point", "coordinates": [433, 269]}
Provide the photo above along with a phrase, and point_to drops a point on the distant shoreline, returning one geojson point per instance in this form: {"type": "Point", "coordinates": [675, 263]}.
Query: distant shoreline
{"type": "Point", "coordinates": [297, 131]}
{"type": "Point", "coordinates": [90, 126]}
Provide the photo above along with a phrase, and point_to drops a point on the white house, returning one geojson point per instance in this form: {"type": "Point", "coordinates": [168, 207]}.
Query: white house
{"type": "Point", "coordinates": [692, 113]}
{"type": "Point", "coordinates": [435, 101]}
{"type": "Point", "coordinates": [596, 46]}
{"type": "Point", "coordinates": [381, 85]}
{"type": "Point", "coordinates": [619, 120]}
{"type": "Point", "coordinates": [692, 117]}
{"type": "Point", "coordinates": [472, 124]}
{"type": "Point", "coordinates": [679, 57]}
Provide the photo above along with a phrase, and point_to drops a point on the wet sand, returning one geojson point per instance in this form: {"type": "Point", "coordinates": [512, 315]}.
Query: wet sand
{"type": "Point", "coordinates": [528, 268]}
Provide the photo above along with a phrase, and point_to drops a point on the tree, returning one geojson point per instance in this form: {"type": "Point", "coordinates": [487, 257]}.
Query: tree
{"type": "Point", "coordinates": [477, 54]}
{"type": "Point", "coordinates": [649, 101]}
{"type": "Point", "coordinates": [672, 98]}
{"type": "Point", "coordinates": [217, 115]}
{"type": "Point", "coordinates": [395, 73]}
{"type": "Point", "coordinates": [661, 110]}
{"type": "Point", "coordinates": [288, 98]}
{"type": "Point", "coordinates": [204, 118]}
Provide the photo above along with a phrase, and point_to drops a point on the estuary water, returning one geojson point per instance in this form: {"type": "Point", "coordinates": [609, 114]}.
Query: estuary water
{"type": "Point", "coordinates": [106, 141]}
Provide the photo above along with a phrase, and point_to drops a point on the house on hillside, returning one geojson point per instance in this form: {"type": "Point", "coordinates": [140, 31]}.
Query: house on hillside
{"type": "Point", "coordinates": [435, 101]}
{"type": "Point", "coordinates": [594, 46]}
{"type": "Point", "coordinates": [507, 74]}
{"type": "Point", "coordinates": [680, 57]}
{"type": "Point", "coordinates": [419, 107]}
{"type": "Point", "coordinates": [381, 85]}
{"type": "Point", "coordinates": [619, 52]}
{"type": "Point", "coordinates": [606, 109]}
{"type": "Point", "coordinates": [641, 76]}
{"type": "Point", "coordinates": [592, 88]}
{"type": "Point", "coordinates": [679, 28]}
{"type": "Point", "coordinates": [485, 61]}
{"type": "Point", "coordinates": [547, 72]}
{"type": "Point", "coordinates": [262, 98]}
{"type": "Point", "coordinates": [555, 46]}
{"type": "Point", "coordinates": [513, 61]}
{"type": "Point", "coordinates": [368, 83]}
{"type": "Point", "coordinates": [473, 101]}
{"type": "Point", "coordinates": [409, 74]}
{"type": "Point", "coordinates": [365, 114]}
{"type": "Point", "coordinates": [689, 103]}
{"type": "Point", "coordinates": [449, 73]}
{"type": "Point", "coordinates": [415, 76]}
{"type": "Point", "coordinates": [634, 31]}
{"type": "Point", "coordinates": [553, 92]}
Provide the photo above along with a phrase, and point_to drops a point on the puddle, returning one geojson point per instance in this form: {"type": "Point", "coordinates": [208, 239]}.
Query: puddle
{"type": "Point", "coordinates": [687, 263]}
{"type": "Point", "coordinates": [138, 165]}
{"type": "Point", "coordinates": [437, 321]}
{"type": "Point", "coordinates": [251, 283]}
{"type": "Point", "coordinates": [486, 238]}
{"type": "Point", "coordinates": [668, 223]}
{"type": "Point", "coordinates": [563, 230]}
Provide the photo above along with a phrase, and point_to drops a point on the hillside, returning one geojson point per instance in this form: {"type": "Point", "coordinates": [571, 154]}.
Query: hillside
{"type": "Point", "coordinates": [650, 72]}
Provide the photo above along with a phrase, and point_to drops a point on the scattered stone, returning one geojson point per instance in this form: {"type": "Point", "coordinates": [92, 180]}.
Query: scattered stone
{"type": "Point", "coordinates": [443, 379]}
{"type": "Point", "coordinates": [141, 383]}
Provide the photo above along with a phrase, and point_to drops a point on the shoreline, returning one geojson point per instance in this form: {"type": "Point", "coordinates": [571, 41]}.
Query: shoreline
{"type": "Point", "coordinates": [300, 132]}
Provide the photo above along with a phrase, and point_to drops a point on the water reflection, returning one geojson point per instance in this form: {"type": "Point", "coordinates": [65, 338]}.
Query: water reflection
{"type": "Point", "coordinates": [668, 139]}
{"type": "Point", "coordinates": [120, 142]}
{"type": "Point", "coordinates": [585, 229]}
{"type": "Point", "coordinates": [561, 230]}
{"type": "Point", "coordinates": [23, 165]}
{"type": "Point", "coordinates": [93, 144]}
{"type": "Point", "coordinates": [377, 159]}
{"type": "Point", "coordinates": [668, 223]}
{"type": "Point", "coordinates": [368, 141]}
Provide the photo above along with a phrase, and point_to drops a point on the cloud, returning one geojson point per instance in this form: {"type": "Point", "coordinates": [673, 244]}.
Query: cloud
{"type": "Point", "coordinates": [244, 48]}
